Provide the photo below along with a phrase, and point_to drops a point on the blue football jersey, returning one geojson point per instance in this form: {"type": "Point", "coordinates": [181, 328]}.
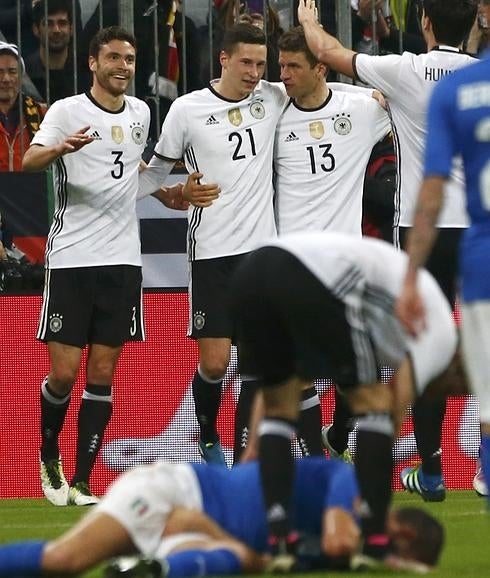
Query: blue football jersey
{"type": "Point", "coordinates": [234, 497]}
{"type": "Point", "coordinates": [459, 124]}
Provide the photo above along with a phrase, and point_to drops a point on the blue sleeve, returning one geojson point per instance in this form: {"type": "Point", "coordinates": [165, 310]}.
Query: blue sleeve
{"type": "Point", "coordinates": [440, 147]}
{"type": "Point", "coordinates": [343, 489]}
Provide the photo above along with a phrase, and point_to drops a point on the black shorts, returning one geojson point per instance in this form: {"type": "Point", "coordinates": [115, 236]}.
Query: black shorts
{"type": "Point", "coordinates": [210, 297]}
{"type": "Point", "coordinates": [443, 259]}
{"type": "Point", "coordinates": [288, 322]}
{"type": "Point", "coordinates": [92, 305]}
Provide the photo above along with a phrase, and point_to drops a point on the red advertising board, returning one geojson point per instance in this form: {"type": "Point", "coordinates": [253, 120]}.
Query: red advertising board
{"type": "Point", "coordinates": [153, 409]}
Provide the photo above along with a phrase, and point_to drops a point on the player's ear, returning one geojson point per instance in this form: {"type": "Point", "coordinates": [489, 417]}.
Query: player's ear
{"type": "Point", "coordinates": [223, 58]}
{"type": "Point", "coordinates": [92, 63]}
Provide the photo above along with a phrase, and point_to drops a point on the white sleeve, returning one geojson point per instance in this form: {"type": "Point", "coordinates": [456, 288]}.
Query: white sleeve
{"type": "Point", "coordinates": [154, 176]}
{"type": "Point", "coordinates": [381, 72]}
{"type": "Point", "coordinates": [381, 122]}
{"type": "Point", "coordinates": [171, 143]}
{"type": "Point", "coordinates": [52, 129]}
{"type": "Point", "coordinates": [353, 88]}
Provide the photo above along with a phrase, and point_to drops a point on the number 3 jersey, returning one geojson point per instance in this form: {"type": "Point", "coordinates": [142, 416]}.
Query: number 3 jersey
{"type": "Point", "coordinates": [320, 158]}
{"type": "Point", "coordinates": [231, 143]}
{"type": "Point", "coordinates": [95, 188]}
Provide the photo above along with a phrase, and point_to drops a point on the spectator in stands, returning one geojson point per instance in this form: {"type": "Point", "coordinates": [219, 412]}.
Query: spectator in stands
{"type": "Point", "coordinates": [173, 78]}
{"type": "Point", "coordinates": [54, 52]}
{"type": "Point", "coordinates": [8, 24]}
{"type": "Point", "coordinates": [391, 22]}
{"type": "Point", "coordinates": [20, 115]}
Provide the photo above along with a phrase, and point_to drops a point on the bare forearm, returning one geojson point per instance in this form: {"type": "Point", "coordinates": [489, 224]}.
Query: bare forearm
{"type": "Point", "coordinates": [38, 158]}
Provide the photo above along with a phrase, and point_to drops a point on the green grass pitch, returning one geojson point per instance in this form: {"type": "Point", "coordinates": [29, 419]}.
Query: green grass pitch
{"type": "Point", "coordinates": [464, 516]}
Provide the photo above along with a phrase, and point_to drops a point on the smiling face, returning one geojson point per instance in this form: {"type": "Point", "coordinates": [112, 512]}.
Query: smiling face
{"type": "Point", "coordinates": [58, 31]}
{"type": "Point", "coordinates": [114, 67]}
{"type": "Point", "coordinates": [242, 69]}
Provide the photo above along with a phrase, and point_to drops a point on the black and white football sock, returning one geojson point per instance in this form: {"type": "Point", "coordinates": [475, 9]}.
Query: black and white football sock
{"type": "Point", "coordinates": [310, 424]}
{"type": "Point", "coordinates": [374, 468]}
{"type": "Point", "coordinates": [53, 413]}
{"type": "Point", "coordinates": [243, 413]}
{"type": "Point", "coordinates": [207, 399]}
{"type": "Point", "coordinates": [93, 416]}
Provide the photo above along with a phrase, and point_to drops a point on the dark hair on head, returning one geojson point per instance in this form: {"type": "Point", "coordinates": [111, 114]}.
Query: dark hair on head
{"type": "Point", "coordinates": [54, 6]}
{"type": "Point", "coordinates": [451, 19]}
{"type": "Point", "coordinates": [293, 40]}
{"type": "Point", "coordinates": [106, 35]}
{"type": "Point", "coordinates": [428, 541]}
{"type": "Point", "coordinates": [242, 33]}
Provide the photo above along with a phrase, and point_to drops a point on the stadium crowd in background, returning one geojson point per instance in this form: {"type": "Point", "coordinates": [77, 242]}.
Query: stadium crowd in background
{"type": "Point", "coordinates": [196, 520]}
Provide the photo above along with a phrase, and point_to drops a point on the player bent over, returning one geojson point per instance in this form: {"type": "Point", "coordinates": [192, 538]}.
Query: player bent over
{"type": "Point", "coordinates": [321, 305]}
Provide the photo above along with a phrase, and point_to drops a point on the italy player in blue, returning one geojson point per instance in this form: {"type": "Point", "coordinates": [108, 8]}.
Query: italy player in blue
{"type": "Point", "coordinates": [193, 519]}
{"type": "Point", "coordinates": [459, 125]}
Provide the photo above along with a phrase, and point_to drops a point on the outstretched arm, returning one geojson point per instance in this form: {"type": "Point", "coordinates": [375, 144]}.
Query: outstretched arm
{"type": "Point", "coordinates": [38, 158]}
{"type": "Point", "coordinates": [325, 47]}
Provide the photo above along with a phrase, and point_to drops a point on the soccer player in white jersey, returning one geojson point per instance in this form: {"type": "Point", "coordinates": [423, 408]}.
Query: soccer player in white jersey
{"type": "Point", "coordinates": [92, 292]}
{"type": "Point", "coordinates": [322, 146]}
{"type": "Point", "coordinates": [225, 133]}
{"type": "Point", "coordinates": [458, 123]}
{"type": "Point", "coordinates": [407, 81]}
{"type": "Point", "coordinates": [316, 305]}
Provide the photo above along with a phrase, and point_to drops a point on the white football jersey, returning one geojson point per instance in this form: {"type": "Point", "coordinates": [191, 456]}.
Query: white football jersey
{"type": "Point", "coordinates": [231, 143]}
{"type": "Point", "coordinates": [95, 222]}
{"type": "Point", "coordinates": [407, 81]}
{"type": "Point", "coordinates": [367, 276]}
{"type": "Point", "coordinates": [320, 158]}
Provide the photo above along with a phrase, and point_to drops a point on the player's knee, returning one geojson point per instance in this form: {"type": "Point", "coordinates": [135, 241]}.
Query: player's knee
{"type": "Point", "coordinates": [60, 560]}
{"type": "Point", "coordinates": [213, 368]}
{"type": "Point", "coordinates": [62, 378]}
{"type": "Point", "coordinates": [100, 372]}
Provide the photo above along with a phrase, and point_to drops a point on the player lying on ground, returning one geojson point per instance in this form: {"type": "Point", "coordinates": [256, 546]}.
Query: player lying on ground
{"type": "Point", "coordinates": [160, 501]}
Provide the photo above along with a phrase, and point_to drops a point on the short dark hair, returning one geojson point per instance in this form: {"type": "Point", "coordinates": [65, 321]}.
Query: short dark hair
{"type": "Point", "coordinates": [106, 35]}
{"type": "Point", "coordinates": [293, 40]}
{"type": "Point", "coordinates": [428, 539]}
{"type": "Point", "coordinates": [53, 6]}
{"type": "Point", "coordinates": [242, 33]}
{"type": "Point", "coordinates": [451, 19]}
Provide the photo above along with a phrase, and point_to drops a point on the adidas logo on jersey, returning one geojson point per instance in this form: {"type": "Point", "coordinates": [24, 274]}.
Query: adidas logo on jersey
{"type": "Point", "coordinates": [212, 120]}
{"type": "Point", "coordinates": [95, 135]}
{"type": "Point", "coordinates": [291, 136]}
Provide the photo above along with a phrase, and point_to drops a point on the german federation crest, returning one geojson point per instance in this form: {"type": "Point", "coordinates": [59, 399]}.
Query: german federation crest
{"type": "Point", "coordinates": [235, 116]}
{"type": "Point", "coordinates": [257, 109]}
{"type": "Point", "coordinates": [137, 133]}
{"type": "Point", "coordinates": [317, 129]}
{"type": "Point", "coordinates": [342, 125]}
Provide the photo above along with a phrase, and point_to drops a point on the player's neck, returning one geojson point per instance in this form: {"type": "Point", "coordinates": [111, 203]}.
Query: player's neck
{"type": "Point", "coordinates": [107, 100]}
{"type": "Point", "coordinates": [314, 99]}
